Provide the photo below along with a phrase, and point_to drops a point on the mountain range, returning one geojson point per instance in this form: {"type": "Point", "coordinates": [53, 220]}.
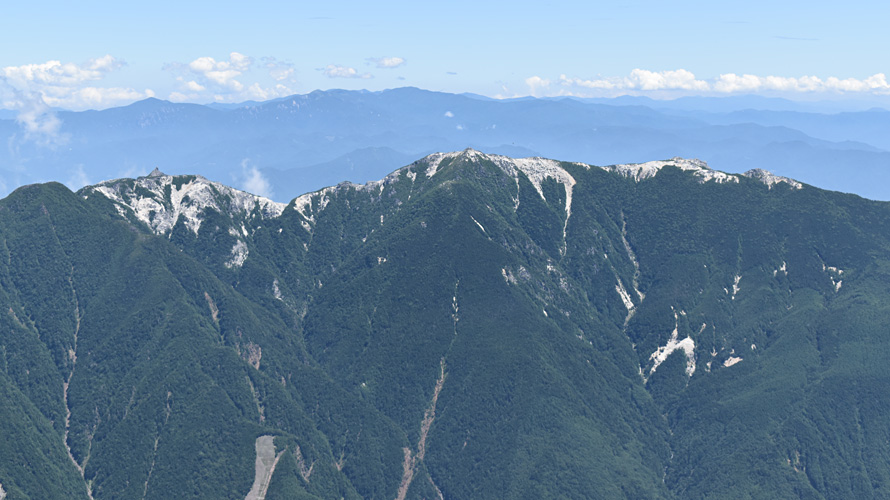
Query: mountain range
{"type": "Point", "coordinates": [469, 326]}
{"type": "Point", "coordinates": [284, 147]}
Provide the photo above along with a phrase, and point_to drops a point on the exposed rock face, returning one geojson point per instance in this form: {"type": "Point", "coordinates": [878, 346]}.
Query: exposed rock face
{"type": "Point", "coordinates": [771, 179]}
{"type": "Point", "coordinates": [161, 200]}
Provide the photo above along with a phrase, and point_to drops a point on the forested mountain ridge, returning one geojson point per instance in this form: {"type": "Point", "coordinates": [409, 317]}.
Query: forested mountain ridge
{"type": "Point", "coordinates": [471, 326]}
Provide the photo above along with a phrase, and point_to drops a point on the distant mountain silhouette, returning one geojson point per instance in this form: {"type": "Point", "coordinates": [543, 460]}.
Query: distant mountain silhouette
{"type": "Point", "coordinates": [335, 131]}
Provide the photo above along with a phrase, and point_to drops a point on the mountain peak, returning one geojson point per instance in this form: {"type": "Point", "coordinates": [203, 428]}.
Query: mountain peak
{"type": "Point", "coordinates": [771, 179]}
{"type": "Point", "coordinates": [537, 168]}
{"type": "Point", "coordinates": [189, 196]}
{"type": "Point", "coordinates": [160, 200]}
{"type": "Point", "coordinates": [700, 168]}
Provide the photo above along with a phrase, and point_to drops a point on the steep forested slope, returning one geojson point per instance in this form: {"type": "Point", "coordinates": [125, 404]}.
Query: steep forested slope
{"type": "Point", "coordinates": [471, 326]}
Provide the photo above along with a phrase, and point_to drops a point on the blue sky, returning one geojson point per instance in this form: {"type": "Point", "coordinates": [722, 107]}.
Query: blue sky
{"type": "Point", "coordinates": [96, 54]}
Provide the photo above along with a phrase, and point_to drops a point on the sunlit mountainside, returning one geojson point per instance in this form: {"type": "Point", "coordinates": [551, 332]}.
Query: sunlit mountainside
{"type": "Point", "coordinates": [467, 326]}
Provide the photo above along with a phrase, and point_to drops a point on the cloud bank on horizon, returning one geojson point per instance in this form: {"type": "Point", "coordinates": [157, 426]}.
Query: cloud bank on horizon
{"type": "Point", "coordinates": [58, 84]}
{"type": "Point", "coordinates": [30, 88]}
{"type": "Point", "coordinates": [641, 80]}
{"type": "Point", "coordinates": [74, 86]}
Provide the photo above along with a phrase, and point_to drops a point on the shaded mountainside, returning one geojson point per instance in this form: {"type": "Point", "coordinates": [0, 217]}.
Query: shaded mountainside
{"type": "Point", "coordinates": [470, 326]}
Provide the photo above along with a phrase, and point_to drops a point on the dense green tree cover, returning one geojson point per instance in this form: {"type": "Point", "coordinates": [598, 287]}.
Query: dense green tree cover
{"type": "Point", "coordinates": [483, 332]}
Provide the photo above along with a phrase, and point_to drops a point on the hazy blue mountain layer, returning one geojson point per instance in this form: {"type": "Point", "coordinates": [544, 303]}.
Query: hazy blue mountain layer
{"type": "Point", "coordinates": [470, 326]}
{"type": "Point", "coordinates": [305, 142]}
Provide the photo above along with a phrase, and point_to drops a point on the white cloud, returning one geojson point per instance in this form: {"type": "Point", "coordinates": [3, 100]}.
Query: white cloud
{"type": "Point", "coordinates": [39, 122]}
{"type": "Point", "coordinates": [731, 82]}
{"type": "Point", "coordinates": [66, 85]}
{"type": "Point", "coordinates": [278, 70]}
{"type": "Point", "coordinates": [536, 84]}
{"type": "Point", "coordinates": [258, 93]}
{"type": "Point", "coordinates": [205, 79]}
{"type": "Point", "coordinates": [253, 180]}
{"type": "Point", "coordinates": [640, 80]}
{"type": "Point", "coordinates": [737, 83]}
{"type": "Point", "coordinates": [254, 92]}
{"type": "Point", "coordinates": [95, 97]}
{"type": "Point", "coordinates": [222, 73]}
{"type": "Point", "coordinates": [195, 86]}
{"type": "Point", "coordinates": [280, 73]}
{"type": "Point", "coordinates": [387, 62]}
{"type": "Point", "coordinates": [678, 79]}
{"type": "Point", "coordinates": [77, 179]}
{"type": "Point", "coordinates": [54, 73]}
{"type": "Point", "coordinates": [180, 97]}
{"type": "Point", "coordinates": [449, 114]}
{"type": "Point", "coordinates": [337, 71]}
